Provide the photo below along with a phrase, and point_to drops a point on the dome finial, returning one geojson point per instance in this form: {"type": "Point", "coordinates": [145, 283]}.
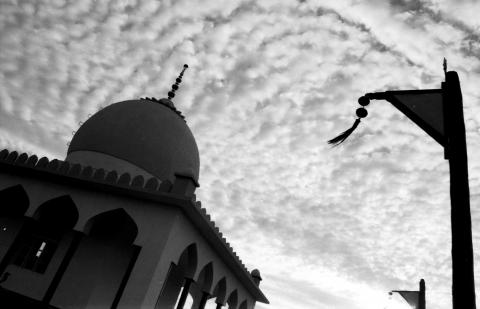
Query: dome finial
{"type": "Point", "coordinates": [171, 93]}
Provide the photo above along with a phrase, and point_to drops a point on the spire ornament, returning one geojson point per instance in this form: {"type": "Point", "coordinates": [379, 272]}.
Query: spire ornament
{"type": "Point", "coordinates": [168, 102]}
{"type": "Point", "coordinates": [171, 93]}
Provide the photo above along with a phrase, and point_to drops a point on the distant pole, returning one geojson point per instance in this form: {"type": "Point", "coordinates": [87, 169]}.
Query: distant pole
{"type": "Point", "coordinates": [463, 282]}
{"type": "Point", "coordinates": [421, 295]}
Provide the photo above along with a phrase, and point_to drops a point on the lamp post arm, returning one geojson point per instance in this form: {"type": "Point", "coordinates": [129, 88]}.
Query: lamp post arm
{"type": "Point", "coordinates": [377, 95]}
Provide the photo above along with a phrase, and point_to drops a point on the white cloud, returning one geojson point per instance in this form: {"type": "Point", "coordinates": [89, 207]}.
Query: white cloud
{"type": "Point", "coordinates": [268, 84]}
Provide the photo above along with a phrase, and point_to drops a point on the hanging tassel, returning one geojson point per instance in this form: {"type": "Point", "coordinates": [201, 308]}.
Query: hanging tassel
{"type": "Point", "coordinates": [361, 113]}
{"type": "Point", "coordinates": [342, 137]}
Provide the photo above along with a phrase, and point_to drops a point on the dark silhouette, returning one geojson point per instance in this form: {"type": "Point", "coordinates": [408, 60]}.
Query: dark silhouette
{"type": "Point", "coordinates": [171, 94]}
{"type": "Point", "coordinates": [361, 113]}
{"type": "Point", "coordinates": [439, 112]}
{"type": "Point", "coordinates": [416, 299]}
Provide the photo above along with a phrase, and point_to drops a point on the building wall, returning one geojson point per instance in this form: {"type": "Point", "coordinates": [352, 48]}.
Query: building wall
{"type": "Point", "coordinates": [182, 235]}
{"type": "Point", "coordinates": [96, 270]}
{"type": "Point", "coordinates": [94, 274]}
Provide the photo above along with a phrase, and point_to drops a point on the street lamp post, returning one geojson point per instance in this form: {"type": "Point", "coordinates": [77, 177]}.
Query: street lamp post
{"type": "Point", "coordinates": [463, 285]}
{"type": "Point", "coordinates": [439, 112]}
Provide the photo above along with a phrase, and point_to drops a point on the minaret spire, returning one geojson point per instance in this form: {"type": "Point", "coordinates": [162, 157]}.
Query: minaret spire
{"type": "Point", "coordinates": [168, 102]}
{"type": "Point", "coordinates": [171, 93]}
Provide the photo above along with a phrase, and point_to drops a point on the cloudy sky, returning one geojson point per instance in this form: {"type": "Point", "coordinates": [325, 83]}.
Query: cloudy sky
{"type": "Point", "coordinates": [269, 83]}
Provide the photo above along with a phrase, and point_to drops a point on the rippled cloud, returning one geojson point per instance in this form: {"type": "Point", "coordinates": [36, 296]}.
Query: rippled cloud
{"type": "Point", "coordinates": [268, 84]}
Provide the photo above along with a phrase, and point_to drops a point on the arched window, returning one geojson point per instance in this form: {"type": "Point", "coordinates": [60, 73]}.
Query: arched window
{"type": "Point", "coordinates": [202, 287]}
{"type": "Point", "coordinates": [13, 201]}
{"type": "Point", "coordinates": [220, 290]}
{"type": "Point", "coordinates": [232, 300]}
{"type": "Point", "coordinates": [39, 239]}
{"type": "Point", "coordinates": [188, 260]}
{"type": "Point", "coordinates": [176, 286]}
{"type": "Point", "coordinates": [204, 280]}
{"type": "Point", "coordinates": [114, 226]}
{"type": "Point", "coordinates": [102, 263]}
{"type": "Point", "coordinates": [37, 250]}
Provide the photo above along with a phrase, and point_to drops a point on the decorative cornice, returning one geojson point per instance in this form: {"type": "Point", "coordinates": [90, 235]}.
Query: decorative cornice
{"type": "Point", "coordinates": [166, 103]}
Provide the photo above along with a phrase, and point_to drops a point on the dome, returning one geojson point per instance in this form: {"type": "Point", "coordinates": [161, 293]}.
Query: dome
{"type": "Point", "coordinates": [146, 137]}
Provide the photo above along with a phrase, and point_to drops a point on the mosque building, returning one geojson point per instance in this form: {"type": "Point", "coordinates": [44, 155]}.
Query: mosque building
{"type": "Point", "coordinates": [117, 224]}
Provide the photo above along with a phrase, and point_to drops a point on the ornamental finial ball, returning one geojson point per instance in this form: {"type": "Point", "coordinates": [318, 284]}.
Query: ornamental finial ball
{"type": "Point", "coordinates": [361, 112]}
{"type": "Point", "coordinates": [363, 101]}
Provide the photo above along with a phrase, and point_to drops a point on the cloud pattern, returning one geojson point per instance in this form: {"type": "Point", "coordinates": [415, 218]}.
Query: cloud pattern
{"type": "Point", "coordinates": [269, 82]}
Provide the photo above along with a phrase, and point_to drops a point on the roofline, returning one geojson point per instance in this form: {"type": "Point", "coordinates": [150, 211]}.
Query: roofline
{"type": "Point", "coordinates": [135, 187]}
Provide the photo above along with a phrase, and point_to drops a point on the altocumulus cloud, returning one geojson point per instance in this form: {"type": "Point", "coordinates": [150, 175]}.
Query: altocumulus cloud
{"type": "Point", "coordinates": [268, 83]}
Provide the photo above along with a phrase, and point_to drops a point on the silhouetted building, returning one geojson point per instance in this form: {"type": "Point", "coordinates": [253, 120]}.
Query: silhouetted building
{"type": "Point", "coordinates": [116, 224]}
